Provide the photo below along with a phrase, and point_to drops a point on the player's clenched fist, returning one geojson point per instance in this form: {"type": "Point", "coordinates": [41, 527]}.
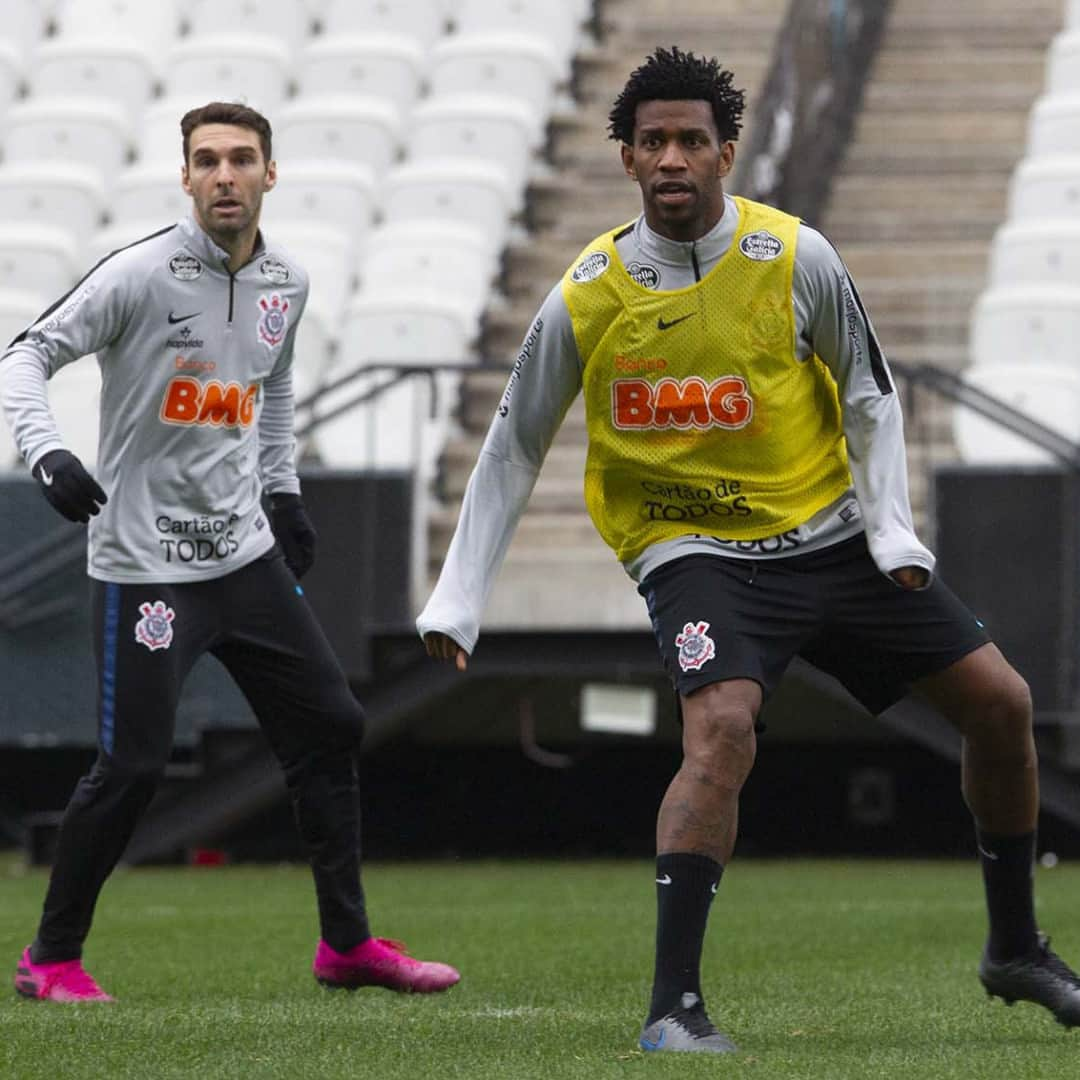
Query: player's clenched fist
{"type": "Point", "coordinates": [72, 491]}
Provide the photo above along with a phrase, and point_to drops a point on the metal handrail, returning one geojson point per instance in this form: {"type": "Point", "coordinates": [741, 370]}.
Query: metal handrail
{"type": "Point", "coordinates": [952, 386]}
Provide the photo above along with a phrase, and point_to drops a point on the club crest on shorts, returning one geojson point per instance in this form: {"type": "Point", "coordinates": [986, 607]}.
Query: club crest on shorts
{"type": "Point", "coordinates": [274, 321]}
{"type": "Point", "coordinates": [154, 629]}
{"type": "Point", "coordinates": [696, 648]}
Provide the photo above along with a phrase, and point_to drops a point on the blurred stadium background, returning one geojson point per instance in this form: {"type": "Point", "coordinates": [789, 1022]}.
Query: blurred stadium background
{"type": "Point", "coordinates": [440, 162]}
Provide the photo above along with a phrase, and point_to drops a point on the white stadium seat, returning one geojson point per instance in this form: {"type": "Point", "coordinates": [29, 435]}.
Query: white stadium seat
{"type": "Point", "coordinates": [42, 258]}
{"type": "Point", "coordinates": [410, 326]}
{"type": "Point", "coordinates": [119, 235]}
{"type": "Point", "coordinates": [552, 21]}
{"type": "Point", "coordinates": [61, 194]}
{"type": "Point", "coordinates": [150, 193]}
{"type": "Point", "coordinates": [430, 257]}
{"type": "Point", "coordinates": [121, 72]}
{"type": "Point", "coordinates": [326, 255]}
{"type": "Point", "coordinates": [1035, 324]}
{"type": "Point", "coordinates": [313, 351]}
{"type": "Point", "coordinates": [23, 24]}
{"type": "Point", "coordinates": [231, 67]}
{"type": "Point", "coordinates": [92, 133]}
{"type": "Point", "coordinates": [158, 140]}
{"type": "Point", "coordinates": [477, 129]}
{"type": "Point", "coordinates": [1045, 187]}
{"type": "Point", "coordinates": [456, 189]}
{"type": "Point", "coordinates": [340, 195]}
{"type": "Point", "coordinates": [1032, 252]}
{"type": "Point", "coordinates": [369, 66]}
{"type": "Point", "coordinates": [153, 27]}
{"type": "Point", "coordinates": [423, 21]}
{"type": "Point", "coordinates": [365, 131]}
{"type": "Point", "coordinates": [287, 21]}
{"type": "Point", "coordinates": [1054, 125]}
{"type": "Point", "coordinates": [11, 68]}
{"type": "Point", "coordinates": [1063, 63]}
{"type": "Point", "coordinates": [1048, 394]}
{"type": "Point", "coordinates": [507, 66]}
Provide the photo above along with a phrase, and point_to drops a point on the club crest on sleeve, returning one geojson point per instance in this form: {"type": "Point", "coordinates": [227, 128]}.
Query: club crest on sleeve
{"type": "Point", "coordinates": [695, 646]}
{"type": "Point", "coordinates": [154, 629]}
{"type": "Point", "coordinates": [274, 321]}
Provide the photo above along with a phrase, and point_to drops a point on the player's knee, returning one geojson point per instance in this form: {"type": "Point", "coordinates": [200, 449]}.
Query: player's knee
{"type": "Point", "coordinates": [721, 742]}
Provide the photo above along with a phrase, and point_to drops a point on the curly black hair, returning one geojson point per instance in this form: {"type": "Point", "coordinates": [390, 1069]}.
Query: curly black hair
{"type": "Point", "coordinates": [678, 76]}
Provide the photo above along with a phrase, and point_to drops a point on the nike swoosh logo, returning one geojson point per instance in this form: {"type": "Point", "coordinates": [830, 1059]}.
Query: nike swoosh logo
{"type": "Point", "coordinates": [989, 854]}
{"type": "Point", "coordinates": [665, 880]}
{"type": "Point", "coordinates": [662, 325]}
{"type": "Point", "coordinates": [174, 319]}
{"type": "Point", "coordinates": [46, 477]}
{"type": "Point", "coordinates": [715, 885]}
{"type": "Point", "coordinates": [646, 1044]}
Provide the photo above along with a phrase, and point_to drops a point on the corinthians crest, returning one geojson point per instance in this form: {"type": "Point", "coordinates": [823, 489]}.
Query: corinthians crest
{"type": "Point", "coordinates": [154, 629]}
{"type": "Point", "coordinates": [696, 648]}
{"type": "Point", "coordinates": [274, 321]}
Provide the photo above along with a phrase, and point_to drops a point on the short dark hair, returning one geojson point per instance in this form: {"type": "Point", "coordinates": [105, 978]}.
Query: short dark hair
{"type": "Point", "coordinates": [227, 112]}
{"type": "Point", "coordinates": [678, 76]}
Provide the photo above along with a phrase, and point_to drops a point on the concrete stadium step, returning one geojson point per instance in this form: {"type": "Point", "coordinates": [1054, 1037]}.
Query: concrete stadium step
{"type": "Point", "coordinates": [921, 64]}
{"type": "Point", "coordinates": [538, 530]}
{"type": "Point", "coordinates": [857, 195]}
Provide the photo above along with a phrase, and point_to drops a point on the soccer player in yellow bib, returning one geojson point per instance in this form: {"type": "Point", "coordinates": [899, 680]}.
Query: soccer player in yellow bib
{"type": "Point", "coordinates": [746, 464]}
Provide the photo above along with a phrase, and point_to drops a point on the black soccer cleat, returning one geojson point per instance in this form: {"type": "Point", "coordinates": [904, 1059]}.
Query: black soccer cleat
{"type": "Point", "coordinates": [1041, 976]}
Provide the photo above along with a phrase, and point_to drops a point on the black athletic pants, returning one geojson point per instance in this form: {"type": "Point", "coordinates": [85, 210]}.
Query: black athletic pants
{"type": "Point", "coordinates": [257, 622]}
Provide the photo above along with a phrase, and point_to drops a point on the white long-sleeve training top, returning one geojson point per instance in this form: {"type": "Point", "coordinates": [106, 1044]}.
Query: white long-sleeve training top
{"type": "Point", "coordinates": [196, 411]}
{"type": "Point", "coordinates": [547, 375]}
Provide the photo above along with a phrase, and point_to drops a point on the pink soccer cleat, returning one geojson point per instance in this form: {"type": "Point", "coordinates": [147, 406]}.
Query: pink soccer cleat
{"type": "Point", "coordinates": [380, 962]}
{"type": "Point", "coordinates": [66, 981]}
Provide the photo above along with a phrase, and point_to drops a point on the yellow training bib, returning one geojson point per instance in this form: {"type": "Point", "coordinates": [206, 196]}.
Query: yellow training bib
{"type": "Point", "coordinates": [701, 418]}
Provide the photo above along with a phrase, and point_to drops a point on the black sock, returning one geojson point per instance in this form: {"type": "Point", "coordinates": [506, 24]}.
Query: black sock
{"type": "Point", "coordinates": [685, 886]}
{"type": "Point", "coordinates": [1008, 864]}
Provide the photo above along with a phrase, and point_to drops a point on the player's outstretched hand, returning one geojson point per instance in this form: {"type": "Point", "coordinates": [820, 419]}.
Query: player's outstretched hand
{"type": "Point", "coordinates": [293, 531]}
{"type": "Point", "coordinates": [67, 485]}
{"type": "Point", "coordinates": [444, 647]}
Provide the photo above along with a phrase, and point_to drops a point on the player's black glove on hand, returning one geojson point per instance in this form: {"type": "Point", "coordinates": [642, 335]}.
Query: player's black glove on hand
{"type": "Point", "coordinates": [294, 531]}
{"type": "Point", "coordinates": [68, 486]}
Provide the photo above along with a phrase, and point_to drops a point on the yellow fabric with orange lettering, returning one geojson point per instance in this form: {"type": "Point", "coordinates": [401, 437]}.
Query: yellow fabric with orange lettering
{"type": "Point", "coordinates": [701, 418]}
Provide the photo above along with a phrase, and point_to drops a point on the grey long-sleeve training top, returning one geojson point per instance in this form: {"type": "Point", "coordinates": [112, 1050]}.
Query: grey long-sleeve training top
{"type": "Point", "coordinates": [196, 400]}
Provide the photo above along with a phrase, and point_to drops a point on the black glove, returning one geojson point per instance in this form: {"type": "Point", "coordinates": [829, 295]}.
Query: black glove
{"type": "Point", "coordinates": [68, 486]}
{"type": "Point", "coordinates": [294, 531]}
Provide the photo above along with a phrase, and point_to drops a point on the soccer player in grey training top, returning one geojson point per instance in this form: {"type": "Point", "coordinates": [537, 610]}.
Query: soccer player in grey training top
{"type": "Point", "coordinates": [194, 328]}
{"type": "Point", "coordinates": [746, 464]}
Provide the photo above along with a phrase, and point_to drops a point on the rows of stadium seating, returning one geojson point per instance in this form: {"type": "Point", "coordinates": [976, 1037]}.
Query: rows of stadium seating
{"type": "Point", "coordinates": [1026, 324]}
{"type": "Point", "coordinates": [405, 132]}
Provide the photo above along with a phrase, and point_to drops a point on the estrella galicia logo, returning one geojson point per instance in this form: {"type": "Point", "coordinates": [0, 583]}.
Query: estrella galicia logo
{"type": "Point", "coordinates": [274, 270]}
{"type": "Point", "coordinates": [648, 277]}
{"type": "Point", "coordinates": [761, 246]}
{"type": "Point", "coordinates": [591, 267]}
{"type": "Point", "coordinates": [185, 267]}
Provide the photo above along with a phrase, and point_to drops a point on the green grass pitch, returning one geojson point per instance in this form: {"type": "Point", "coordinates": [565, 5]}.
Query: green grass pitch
{"type": "Point", "coordinates": [817, 969]}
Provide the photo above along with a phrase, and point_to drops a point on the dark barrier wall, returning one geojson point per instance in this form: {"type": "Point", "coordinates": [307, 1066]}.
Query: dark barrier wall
{"type": "Point", "coordinates": [1007, 544]}
{"type": "Point", "coordinates": [359, 584]}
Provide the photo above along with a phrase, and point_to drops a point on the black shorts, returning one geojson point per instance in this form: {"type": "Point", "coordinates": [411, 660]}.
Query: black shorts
{"type": "Point", "coordinates": [718, 618]}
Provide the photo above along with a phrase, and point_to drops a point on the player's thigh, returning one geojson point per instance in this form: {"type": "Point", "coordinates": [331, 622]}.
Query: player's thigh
{"type": "Point", "coordinates": [279, 655]}
{"type": "Point", "coordinates": [879, 638]}
{"type": "Point", "coordinates": [717, 619]}
{"type": "Point", "coordinates": [146, 640]}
